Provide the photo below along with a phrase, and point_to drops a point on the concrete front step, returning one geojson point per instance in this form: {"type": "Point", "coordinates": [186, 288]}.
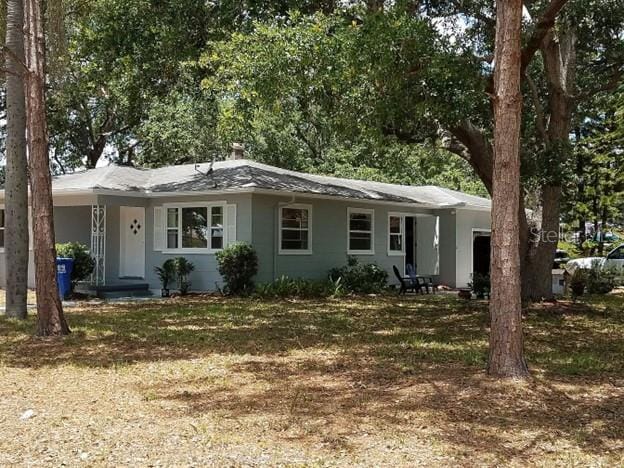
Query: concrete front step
{"type": "Point", "coordinates": [115, 291]}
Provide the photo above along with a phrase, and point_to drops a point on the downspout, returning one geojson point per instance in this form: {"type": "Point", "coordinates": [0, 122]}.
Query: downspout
{"type": "Point", "coordinates": [276, 237]}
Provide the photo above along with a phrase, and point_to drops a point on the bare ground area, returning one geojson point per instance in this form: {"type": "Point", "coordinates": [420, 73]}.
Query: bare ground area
{"type": "Point", "coordinates": [31, 297]}
{"type": "Point", "coordinates": [368, 381]}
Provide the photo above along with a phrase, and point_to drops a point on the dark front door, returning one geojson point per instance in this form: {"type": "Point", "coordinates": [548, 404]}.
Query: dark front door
{"type": "Point", "coordinates": [410, 242]}
{"type": "Point", "coordinates": [481, 254]}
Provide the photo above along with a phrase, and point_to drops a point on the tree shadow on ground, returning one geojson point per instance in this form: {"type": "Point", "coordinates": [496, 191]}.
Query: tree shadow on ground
{"type": "Point", "coordinates": [338, 366]}
{"type": "Point", "coordinates": [112, 334]}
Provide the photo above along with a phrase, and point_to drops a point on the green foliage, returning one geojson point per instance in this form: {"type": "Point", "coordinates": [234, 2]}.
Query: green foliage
{"type": "Point", "coordinates": [238, 264]}
{"type": "Point", "coordinates": [551, 164]}
{"type": "Point", "coordinates": [354, 278]}
{"type": "Point", "coordinates": [285, 287]}
{"type": "Point", "coordinates": [601, 279]}
{"type": "Point", "coordinates": [125, 60]}
{"type": "Point", "coordinates": [167, 273]}
{"type": "Point", "coordinates": [596, 191]}
{"type": "Point", "coordinates": [83, 262]}
{"type": "Point", "coordinates": [290, 88]}
{"type": "Point", "coordinates": [572, 249]}
{"type": "Point", "coordinates": [578, 282]}
{"type": "Point", "coordinates": [340, 89]}
{"type": "Point", "coordinates": [178, 128]}
{"type": "Point", "coordinates": [183, 269]}
{"type": "Point", "coordinates": [360, 278]}
{"type": "Point", "coordinates": [480, 285]}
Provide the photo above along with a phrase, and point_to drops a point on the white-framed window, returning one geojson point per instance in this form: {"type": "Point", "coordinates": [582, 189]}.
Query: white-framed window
{"type": "Point", "coordinates": [194, 228]}
{"type": "Point", "coordinates": [295, 229]}
{"type": "Point", "coordinates": [361, 231]}
{"type": "Point", "coordinates": [1, 229]}
{"type": "Point", "coordinates": [396, 234]}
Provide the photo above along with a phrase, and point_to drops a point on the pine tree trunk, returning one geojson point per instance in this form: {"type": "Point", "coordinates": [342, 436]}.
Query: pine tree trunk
{"type": "Point", "coordinates": [506, 358]}
{"type": "Point", "coordinates": [16, 186]}
{"type": "Point", "coordinates": [50, 317]}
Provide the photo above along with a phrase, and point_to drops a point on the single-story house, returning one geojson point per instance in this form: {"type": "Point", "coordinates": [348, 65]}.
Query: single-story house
{"type": "Point", "coordinates": [301, 225]}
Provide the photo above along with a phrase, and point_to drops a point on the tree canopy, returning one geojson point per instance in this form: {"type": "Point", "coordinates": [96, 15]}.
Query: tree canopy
{"type": "Point", "coordinates": [397, 92]}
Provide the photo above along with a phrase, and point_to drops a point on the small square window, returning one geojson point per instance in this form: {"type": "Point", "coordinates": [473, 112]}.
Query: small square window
{"type": "Point", "coordinates": [295, 229]}
{"type": "Point", "coordinates": [361, 227]}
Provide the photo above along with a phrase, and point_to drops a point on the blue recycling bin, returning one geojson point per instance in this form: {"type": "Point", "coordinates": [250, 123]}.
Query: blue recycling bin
{"type": "Point", "coordinates": [64, 267]}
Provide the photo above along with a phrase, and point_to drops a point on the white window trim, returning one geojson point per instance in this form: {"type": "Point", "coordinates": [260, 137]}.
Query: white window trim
{"type": "Point", "coordinates": [192, 250]}
{"type": "Point", "coordinates": [281, 251]}
{"type": "Point", "coordinates": [371, 212]}
{"type": "Point", "coordinates": [396, 253]}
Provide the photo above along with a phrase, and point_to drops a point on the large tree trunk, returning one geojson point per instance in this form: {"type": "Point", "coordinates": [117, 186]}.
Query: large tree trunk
{"type": "Point", "coordinates": [16, 186]}
{"type": "Point", "coordinates": [559, 54]}
{"type": "Point", "coordinates": [506, 358]}
{"type": "Point", "coordinates": [541, 253]}
{"type": "Point", "coordinates": [50, 318]}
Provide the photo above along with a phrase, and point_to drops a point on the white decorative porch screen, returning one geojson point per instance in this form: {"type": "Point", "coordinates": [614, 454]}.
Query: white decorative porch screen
{"type": "Point", "coordinates": [1, 228]}
{"type": "Point", "coordinates": [30, 230]}
{"type": "Point", "coordinates": [194, 228]}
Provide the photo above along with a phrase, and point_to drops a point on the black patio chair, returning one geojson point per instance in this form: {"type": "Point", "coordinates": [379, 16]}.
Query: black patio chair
{"type": "Point", "coordinates": [419, 281]}
{"type": "Point", "coordinates": [408, 283]}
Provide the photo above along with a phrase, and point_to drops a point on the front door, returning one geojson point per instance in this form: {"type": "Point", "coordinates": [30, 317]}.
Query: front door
{"type": "Point", "coordinates": [132, 242]}
{"type": "Point", "coordinates": [410, 242]}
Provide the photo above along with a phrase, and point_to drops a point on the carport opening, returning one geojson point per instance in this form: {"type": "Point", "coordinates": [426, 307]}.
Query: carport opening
{"type": "Point", "coordinates": [481, 253]}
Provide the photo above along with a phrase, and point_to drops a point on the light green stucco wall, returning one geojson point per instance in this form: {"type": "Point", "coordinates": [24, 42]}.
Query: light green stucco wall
{"type": "Point", "coordinates": [257, 224]}
{"type": "Point", "coordinates": [329, 237]}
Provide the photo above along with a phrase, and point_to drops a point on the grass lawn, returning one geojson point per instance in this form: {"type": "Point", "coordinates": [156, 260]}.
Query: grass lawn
{"type": "Point", "coordinates": [368, 381]}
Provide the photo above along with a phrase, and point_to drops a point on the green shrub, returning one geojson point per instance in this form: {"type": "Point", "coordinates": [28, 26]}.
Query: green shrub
{"type": "Point", "coordinates": [167, 273]}
{"type": "Point", "coordinates": [601, 279]}
{"type": "Point", "coordinates": [480, 285]}
{"type": "Point", "coordinates": [183, 269]}
{"type": "Point", "coordinates": [83, 262]}
{"type": "Point", "coordinates": [360, 278]}
{"type": "Point", "coordinates": [238, 264]}
{"type": "Point", "coordinates": [578, 282]}
{"type": "Point", "coordinates": [285, 287]}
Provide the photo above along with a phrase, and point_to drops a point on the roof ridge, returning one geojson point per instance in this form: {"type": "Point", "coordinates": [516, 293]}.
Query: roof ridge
{"type": "Point", "coordinates": [446, 192]}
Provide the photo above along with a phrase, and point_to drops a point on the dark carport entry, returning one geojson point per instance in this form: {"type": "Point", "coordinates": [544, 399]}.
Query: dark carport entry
{"type": "Point", "coordinates": [481, 252]}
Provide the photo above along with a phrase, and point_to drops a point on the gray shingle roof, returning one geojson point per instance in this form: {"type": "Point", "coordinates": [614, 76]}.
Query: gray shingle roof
{"type": "Point", "coordinates": [246, 175]}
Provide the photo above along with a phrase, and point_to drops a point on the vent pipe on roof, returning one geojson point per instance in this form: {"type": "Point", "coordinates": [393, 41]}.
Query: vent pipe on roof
{"type": "Point", "coordinates": [238, 151]}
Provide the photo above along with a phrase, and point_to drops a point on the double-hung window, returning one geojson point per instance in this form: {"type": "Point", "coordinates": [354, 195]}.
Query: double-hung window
{"type": "Point", "coordinates": [295, 229]}
{"type": "Point", "coordinates": [1, 229]}
{"type": "Point", "coordinates": [361, 231]}
{"type": "Point", "coordinates": [396, 234]}
{"type": "Point", "coordinates": [195, 228]}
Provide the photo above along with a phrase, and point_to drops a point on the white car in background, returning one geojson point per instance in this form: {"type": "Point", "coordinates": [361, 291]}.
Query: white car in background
{"type": "Point", "coordinates": [615, 258]}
